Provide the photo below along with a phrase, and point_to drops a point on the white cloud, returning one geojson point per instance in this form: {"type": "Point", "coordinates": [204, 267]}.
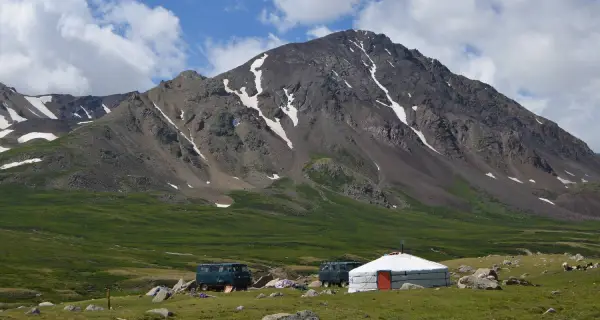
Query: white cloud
{"type": "Point", "coordinates": [224, 56]}
{"type": "Point", "coordinates": [67, 46]}
{"type": "Point", "coordinates": [290, 13]}
{"type": "Point", "coordinates": [319, 31]}
{"type": "Point", "coordinates": [548, 48]}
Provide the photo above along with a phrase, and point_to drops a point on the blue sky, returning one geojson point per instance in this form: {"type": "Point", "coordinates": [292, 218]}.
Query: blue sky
{"type": "Point", "coordinates": [223, 20]}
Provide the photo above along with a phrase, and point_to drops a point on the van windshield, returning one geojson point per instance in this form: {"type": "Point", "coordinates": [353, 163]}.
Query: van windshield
{"type": "Point", "coordinates": [240, 269]}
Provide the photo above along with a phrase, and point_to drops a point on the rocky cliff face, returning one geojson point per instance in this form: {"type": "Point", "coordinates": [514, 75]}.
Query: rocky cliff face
{"type": "Point", "coordinates": [351, 111]}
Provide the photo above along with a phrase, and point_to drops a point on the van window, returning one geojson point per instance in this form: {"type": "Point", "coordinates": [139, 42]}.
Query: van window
{"type": "Point", "coordinates": [240, 269]}
{"type": "Point", "coordinates": [204, 269]}
{"type": "Point", "coordinates": [213, 269]}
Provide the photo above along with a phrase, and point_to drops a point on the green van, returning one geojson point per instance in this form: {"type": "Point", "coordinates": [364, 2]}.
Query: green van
{"type": "Point", "coordinates": [219, 275]}
{"type": "Point", "coordinates": [336, 272]}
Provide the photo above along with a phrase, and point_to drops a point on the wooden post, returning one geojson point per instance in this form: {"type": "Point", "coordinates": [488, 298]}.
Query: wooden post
{"type": "Point", "coordinates": [108, 296]}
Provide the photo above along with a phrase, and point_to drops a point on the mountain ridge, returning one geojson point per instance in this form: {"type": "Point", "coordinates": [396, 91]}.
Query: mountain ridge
{"type": "Point", "coordinates": [385, 116]}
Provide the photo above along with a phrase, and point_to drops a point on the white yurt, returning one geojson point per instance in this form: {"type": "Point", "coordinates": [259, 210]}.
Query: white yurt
{"type": "Point", "coordinates": [391, 271]}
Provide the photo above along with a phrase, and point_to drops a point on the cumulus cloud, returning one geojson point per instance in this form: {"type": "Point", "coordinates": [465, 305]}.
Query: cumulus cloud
{"type": "Point", "coordinates": [319, 31]}
{"type": "Point", "coordinates": [290, 13]}
{"type": "Point", "coordinates": [543, 53]}
{"type": "Point", "coordinates": [224, 56]}
{"type": "Point", "coordinates": [68, 46]}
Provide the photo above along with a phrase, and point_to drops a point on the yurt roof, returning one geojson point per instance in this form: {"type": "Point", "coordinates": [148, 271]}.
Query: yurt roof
{"type": "Point", "coordinates": [399, 262]}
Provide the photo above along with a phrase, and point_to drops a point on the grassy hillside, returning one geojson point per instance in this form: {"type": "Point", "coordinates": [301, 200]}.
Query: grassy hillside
{"type": "Point", "coordinates": [71, 245]}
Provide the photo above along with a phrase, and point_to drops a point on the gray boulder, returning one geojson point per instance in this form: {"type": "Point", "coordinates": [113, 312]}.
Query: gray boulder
{"type": "Point", "coordinates": [276, 294]}
{"type": "Point", "coordinates": [315, 284]}
{"type": "Point", "coordinates": [164, 312]}
{"type": "Point", "coordinates": [465, 269]}
{"type": "Point", "coordinates": [328, 291]}
{"type": "Point", "coordinates": [34, 311]}
{"type": "Point", "coordinates": [473, 282]}
{"type": "Point", "coordinates": [410, 286]}
{"type": "Point", "coordinates": [310, 293]}
{"type": "Point", "coordinates": [46, 304]}
{"type": "Point", "coordinates": [93, 307]}
{"type": "Point", "coordinates": [261, 296]}
{"type": "Point", "coordinates": [162, 295]}
{"type": "Point", "coordinates": [486, 273]}
{"type": "Point", "coordinates": [72, 308]}
{"type": "Point", "coordinates": [300, 315]}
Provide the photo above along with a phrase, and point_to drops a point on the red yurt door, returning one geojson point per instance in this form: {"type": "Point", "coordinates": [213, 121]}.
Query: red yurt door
{"type": "Point", "coordinates": [384, 280]}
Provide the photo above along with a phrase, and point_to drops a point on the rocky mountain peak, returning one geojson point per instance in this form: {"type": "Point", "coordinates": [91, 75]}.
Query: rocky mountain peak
{"type": "Point", "coordinates": [352, 111]}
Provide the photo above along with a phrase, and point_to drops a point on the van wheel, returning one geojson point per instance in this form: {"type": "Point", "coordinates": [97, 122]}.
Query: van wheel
{"type": "Point", "coordinates": [204, 287]}
{"type": "Point", "coordinates": [343, 284]}
{"type": "Point", "coordinates": [325, 284]}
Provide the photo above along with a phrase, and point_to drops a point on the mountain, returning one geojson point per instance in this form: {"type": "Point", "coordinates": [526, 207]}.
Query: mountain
{"type": "Point", "coordinates": [352, 112]}
{"type": "Point", "coordinates": [26, 118]}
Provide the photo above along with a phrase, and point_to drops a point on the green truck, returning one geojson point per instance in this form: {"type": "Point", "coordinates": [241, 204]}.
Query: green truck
{"type": "Point", "coordinates": [219, 275]}
{"type": "Point", "coordinates": [336, 272]}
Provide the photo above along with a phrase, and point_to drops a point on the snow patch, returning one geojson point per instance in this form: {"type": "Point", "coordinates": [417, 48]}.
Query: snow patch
{"type": "Point", "coordinates": [391, 64]}
{"type": "Point", "coordinates": [106, 109]}
{"type": "Point", "coordinates": [13, 90]}
{"type": "Point", "coordinates": [415, 108]}
{"type": "Point", "coordinates": [515, 179]}
{"type": "Point", "coordinates": [409, 95]}
{"type": "Point", "coordinates": [19, 163]}
{"type": "Point", "coordinates": [2, 149]}
{"type": "Point", "coordinates": [448, 83]}
{"type": "Point", "coordinates": [84, 122]}
{"type": "Point", "coordinates": [39, 103]}
{"type": "Point", "coordinates": [347, 84]}
{"type": "Point", "coordinates": [252, 102]}
{"type": "Point", "coordinates": [336, 74]}
{"type": "Point", "coordinates": [388, 51]}
{"type": "Point", "coordinates": [583, 180]}
{"type": "Point", "coordinates": [538, 120]}
{"type": "Point", "coordinates": [289, 109]}
{"type": "Point", "coordinates": [14, 115]}
{"type": "Point", "coordinates": [531, 180]}
{"type": "Point", "coordinates": [572, 175]}
{"type": "Point", "coordinates": [491, 175]}
{"type": "Point", "coordinates": [182, 115]}
{"type": "Point", "coordinates": [36, 135]}
{"type": "Point", "coordinates": [351, 49]}
{"type": "Point", "coordinates": [4, 133]}
{"type": "Point", "coordinates": [207, 182]}
{"type": "Point", "coordinates": [190, 140]}
{"type": "Point", "coordinates": [399, 110]}
{"type": "Point", "coordinates": [190, 186]}
{"type": "Point", "coordinates": [78, 116]}
{"type": "Point", "coordinates": [274, 177]}
{"type": "Point", "coordinates": [86, 112]}
{"type": "Point", "coordinates": [382, 103]}
{"type": "Point", "coordinates": [173, 186]}
{"type": "Point", "coordinates": [565, 181]}
{"type": "Point", "coordinates": [4, 123]}
{"type": "Point", "coordinates": [236, 178]}
{"type": "Point", "coordinates": [546, 200]}
{"type": "Point", "coordinates": [222, 205]}
{"type": "Point", "coordinates": [34, 113]}
{"type": "Point", "coordinates": [378, 169]}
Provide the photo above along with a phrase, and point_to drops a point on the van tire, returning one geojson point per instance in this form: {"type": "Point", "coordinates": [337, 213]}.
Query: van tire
{"type": "Point", "coordinates": [203, 287]}
{"type": "Point", "coordinates": [343, 284]}
{"type": "Point", "coordinates": [325, 284]}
